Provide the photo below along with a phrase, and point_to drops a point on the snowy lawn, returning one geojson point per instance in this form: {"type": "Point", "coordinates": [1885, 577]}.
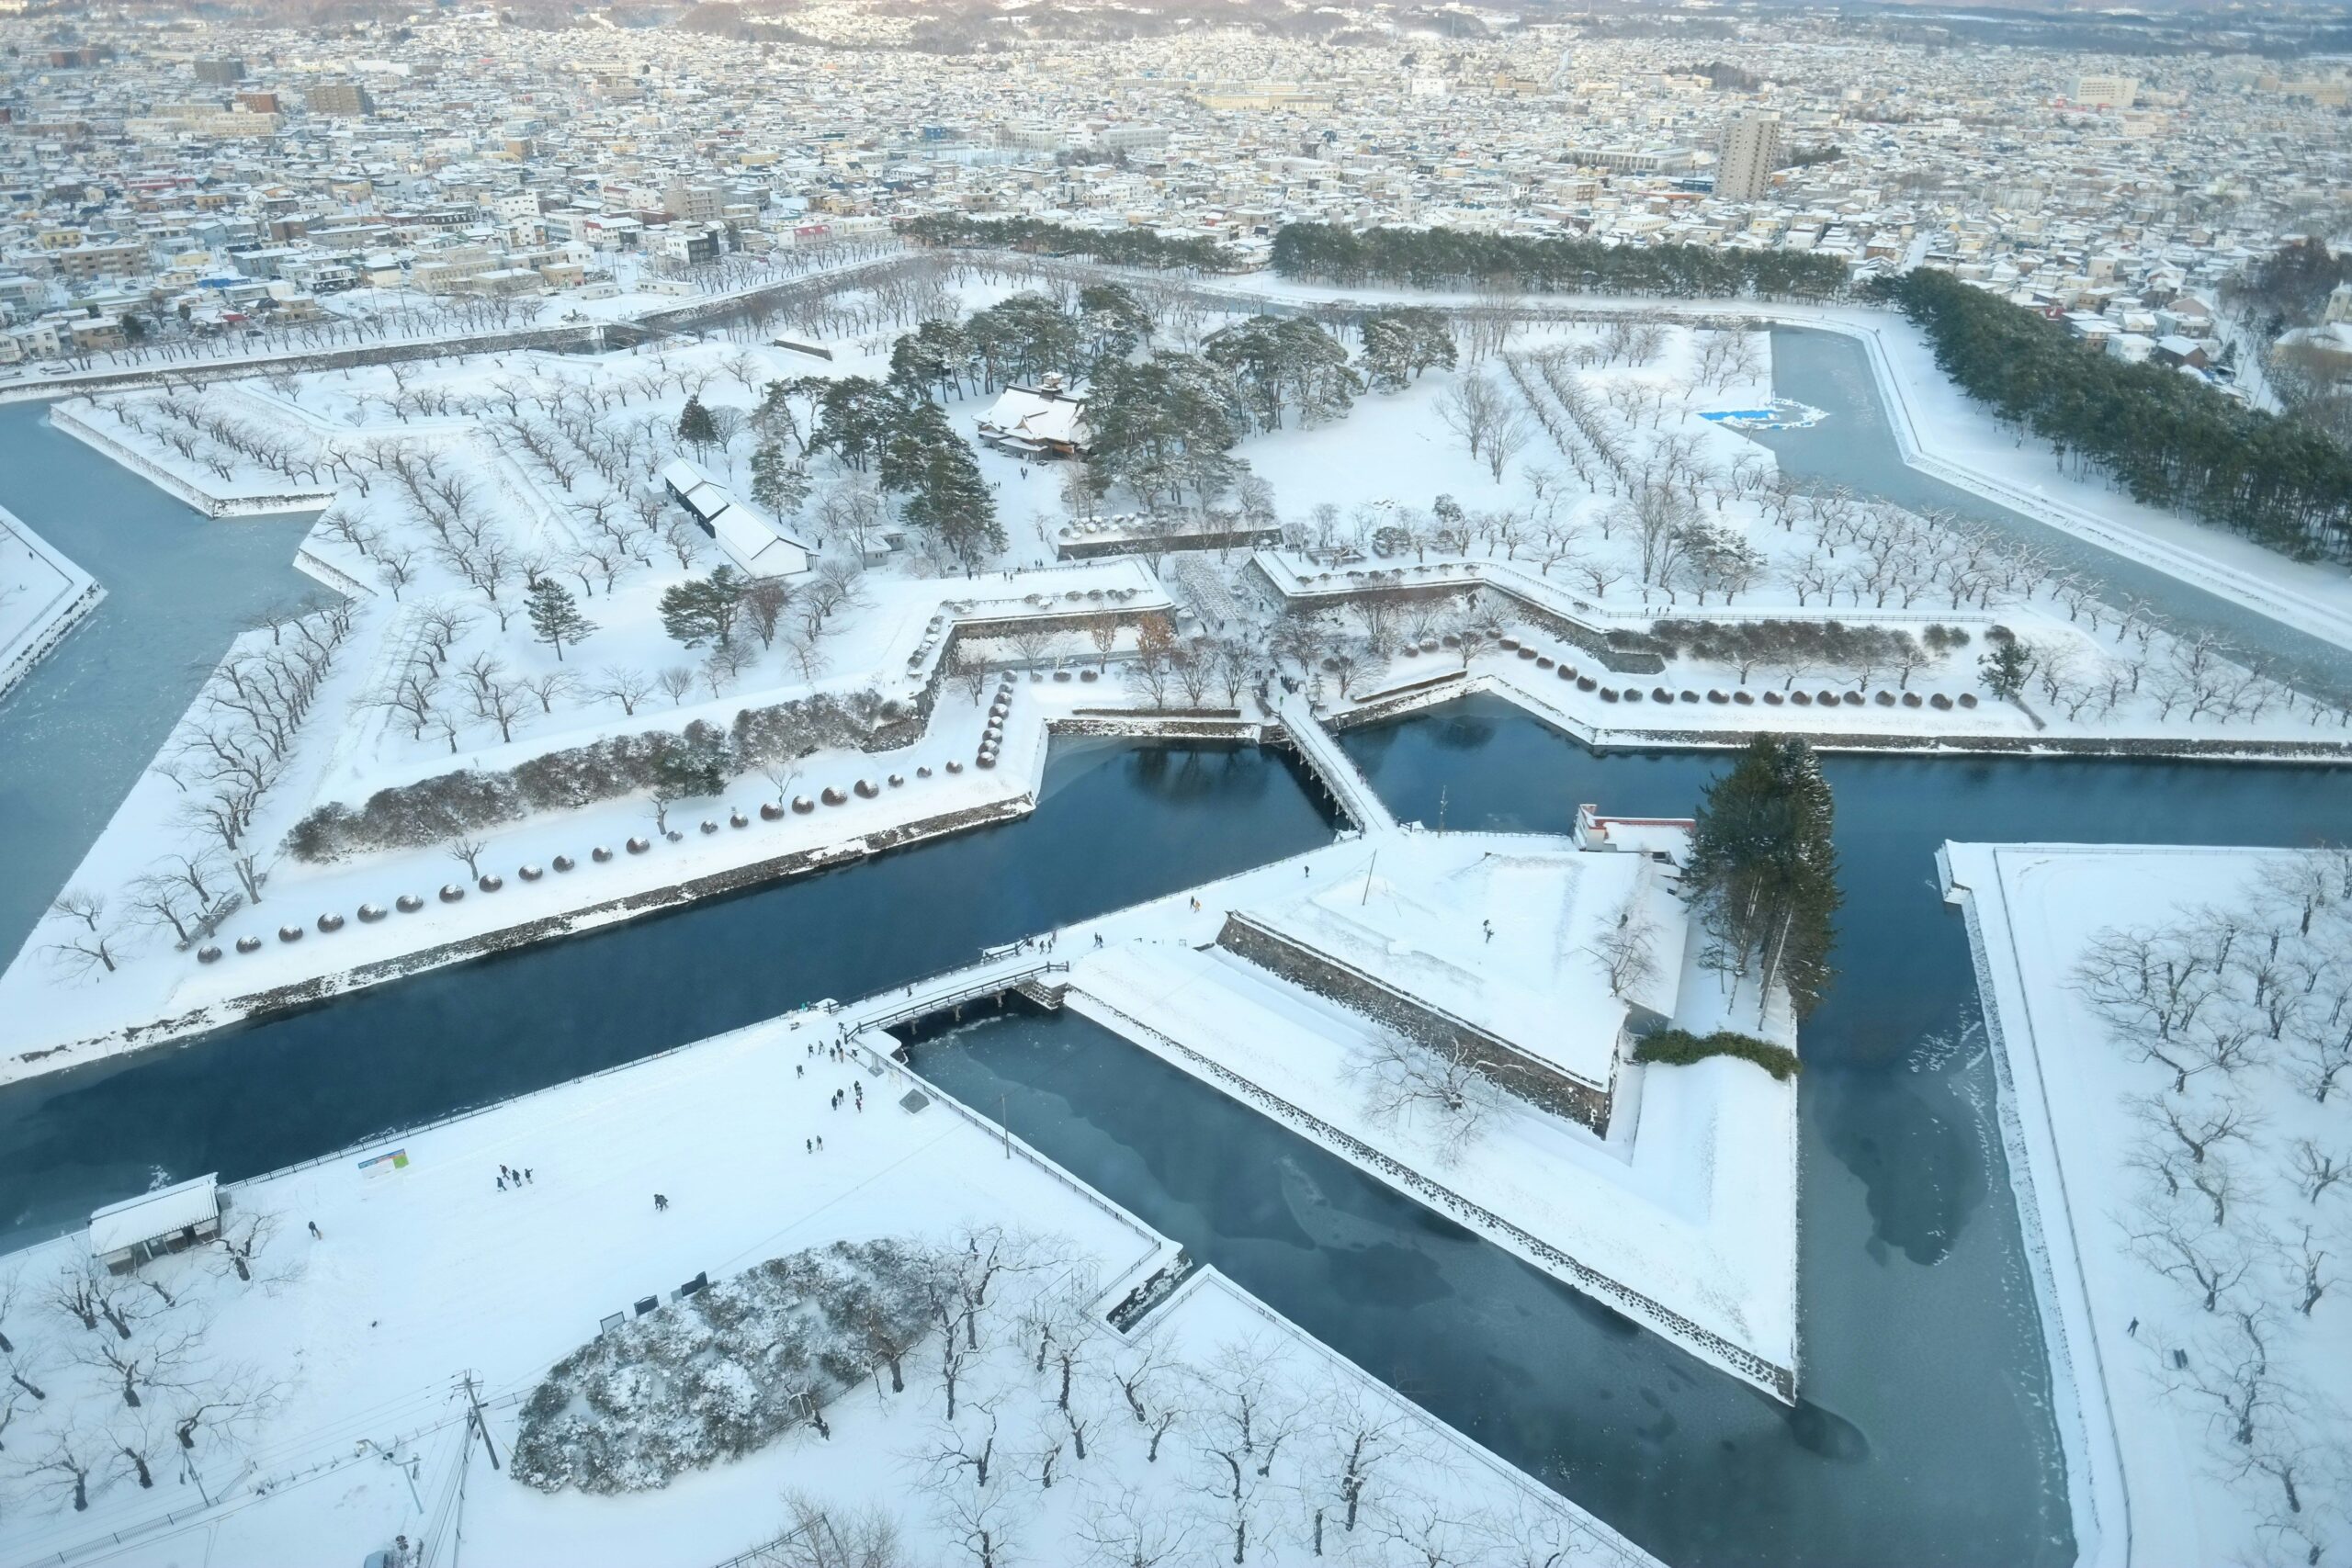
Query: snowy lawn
{"type": "Point", "coordinates": [351, 1349]}
{"type": "Point", "coordinates": [2190, 1237]}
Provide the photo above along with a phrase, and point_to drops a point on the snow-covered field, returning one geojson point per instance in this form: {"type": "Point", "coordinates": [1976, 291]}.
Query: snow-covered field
{"type": "Point", "coordinates": [333, 1387]}
{"type": "Point", "coordinates": [41, 595]}
{"type": "Point", "coordinates": [2175, 1056]}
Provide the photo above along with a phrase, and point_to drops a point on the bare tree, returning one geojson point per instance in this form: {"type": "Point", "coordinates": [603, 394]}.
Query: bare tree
{"type": "Point", "coordinates": [1627, 951]}
{"type": "Point", "coordinates": [618, 683]}
{"type": "Point", "coordinates": [1441, 1092]}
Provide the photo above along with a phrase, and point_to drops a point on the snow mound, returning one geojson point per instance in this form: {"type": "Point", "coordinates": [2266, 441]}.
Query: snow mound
{"type": "Point", "coordinates": [722, 1372]}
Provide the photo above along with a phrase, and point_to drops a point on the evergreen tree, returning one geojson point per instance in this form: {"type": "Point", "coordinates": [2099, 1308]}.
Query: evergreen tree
{"type": "Point", "coordinates": [695, 427]}
{"type": "Point", "coordinates": [852, 418]}
{"type": "Point", "coordinates": [1164, 426]}
{"type": "Point", "coordinates": [1398, 344]}
{"type": "Point", "coordinates": [1763, 872]}
{"type": "Point", "coordinates": [555, 615]}
{"type": "Point", "coordinates": [1111, 323]}
{"type": "Point", "coordinates": [2005, 667]}
{"type": "Point", "coordinates": [696, 612]}
{"type": "Point", "coordinates": [778, 484]}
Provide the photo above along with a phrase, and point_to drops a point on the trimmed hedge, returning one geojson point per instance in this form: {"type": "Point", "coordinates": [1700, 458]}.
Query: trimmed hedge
{"type": "Point", "coordinates": [696, 760]}
{"type": "Point", "coordinates": [1679, 1048]}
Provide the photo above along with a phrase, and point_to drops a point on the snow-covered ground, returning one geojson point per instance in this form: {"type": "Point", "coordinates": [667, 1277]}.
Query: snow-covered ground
{"type": "Point", "coordinates": [334, 1385]}
{"type": "Point", "coordinates": [1947, 433]}
{"type": "Point", "coordinates": [1689, 1204]}
{"type": "Point", "coordinates": [53, 1025]}
{"type": "Point", "coordinates": [41, 595]}
{"type": "Point", "coordinates": [2188, 1236]}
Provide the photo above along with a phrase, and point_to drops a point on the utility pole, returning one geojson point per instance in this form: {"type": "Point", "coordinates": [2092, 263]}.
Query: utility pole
{"type": "Point", "coordinates": [481, 1424]}
{"type": "Point", "coordinates": [1004, 1121]}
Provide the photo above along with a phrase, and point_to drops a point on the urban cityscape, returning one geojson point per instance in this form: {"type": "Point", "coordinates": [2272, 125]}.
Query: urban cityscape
{"type": "Point", "coordinates": [877, 784]}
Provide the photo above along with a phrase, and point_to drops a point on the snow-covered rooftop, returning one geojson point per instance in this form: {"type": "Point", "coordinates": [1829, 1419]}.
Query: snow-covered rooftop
{"type": "Point", "coordinates": [119, 1226]}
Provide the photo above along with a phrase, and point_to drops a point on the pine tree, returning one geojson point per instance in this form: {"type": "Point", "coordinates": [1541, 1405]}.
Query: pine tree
{"type": "Point", "coordinates": [1763, 872]}
{"type": "Point", "coordinates": [2006, 666]}
{"type": "Point", "coordinates": [555, 615]}
{"type": "Point", "coordinates": [695, 427]}
{"type": "Point", "coordinates": [778, 482]}
{"type": "Point", "coordinates": [705, 611]}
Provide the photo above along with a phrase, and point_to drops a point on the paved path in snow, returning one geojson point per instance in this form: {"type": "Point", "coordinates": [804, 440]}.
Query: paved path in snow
{"type": "Point", "coordinates": [1332, 766]}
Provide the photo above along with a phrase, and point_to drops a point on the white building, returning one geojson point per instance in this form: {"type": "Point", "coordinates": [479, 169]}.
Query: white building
{"type": "Point", "coordinates": [170, 1218]}
{"type": "Point", "coordinates": [753, 544]}
{"type": "Point", "coordinates": [2106, 92]}
{"type": "Point", "coordinates": [1046, 418]}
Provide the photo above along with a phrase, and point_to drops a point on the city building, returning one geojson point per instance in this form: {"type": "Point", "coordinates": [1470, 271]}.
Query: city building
{"type": "Point", "coordinates": [1751, 151]}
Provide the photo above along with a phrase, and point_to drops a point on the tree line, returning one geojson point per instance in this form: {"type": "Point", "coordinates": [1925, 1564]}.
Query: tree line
{"type": "Point", "coordinates": [1116, 247]}
{"type": "Point", "coordinates": [1448, 258]}
{"type": "Point", "coordinates": [2168, 439]}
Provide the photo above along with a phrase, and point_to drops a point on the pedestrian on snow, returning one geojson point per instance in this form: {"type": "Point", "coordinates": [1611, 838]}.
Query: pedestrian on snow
{"type": "Point", "coordinates": [504, 1171]}
{"type": "Point", "coordinates": [800, 1069]}
{"type": "Point", "coordinates": [1098, 939]}
{"type": "Point", "coordinates": [660, 1202]}
{"type": "Point", "coordinates": [315, 1233]}
{"type": "Point", "coordinates": [808, 1146]}
{"type": "Point", "coordinates": [501, 1182]}
{"type": "Point", "coordinates": [528, 1177]}
{"type": "Point", "coordinates": [820, 1144]}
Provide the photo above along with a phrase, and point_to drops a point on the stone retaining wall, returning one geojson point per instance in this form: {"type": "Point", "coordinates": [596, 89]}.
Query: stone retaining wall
{"type": "Point", "coordinates": [1498, 1061]}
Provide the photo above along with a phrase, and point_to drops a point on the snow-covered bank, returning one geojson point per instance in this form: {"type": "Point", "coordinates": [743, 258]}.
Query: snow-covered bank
{"type": "Point", "coordinates": [1603, 728]}
{"type": "Point", "coordinates": [212, 496]}
{"type": "Point", "coordinates": [1683, 1216]}
{"type": "Point", "coordinates": [354, 1350]}
{"type": "Point", "coordinates": [1942, 433]}
{"type": "Point", "coordinates": [2180, 1448]}
{"type": "Point", "coordinates": [42, 597]}
{"type": "Point", "coordinates": [175, 995]}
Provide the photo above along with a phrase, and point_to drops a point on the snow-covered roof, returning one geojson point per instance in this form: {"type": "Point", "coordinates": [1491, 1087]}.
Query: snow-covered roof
{"type": "Point", "coordinates": [753, 542]}
{"type": "Point", "coordinates": [1044, 417]}
{"type": "Point", "coordinates": [695, 489]}
{"type": "Point", "coordinates": [152, 1214]}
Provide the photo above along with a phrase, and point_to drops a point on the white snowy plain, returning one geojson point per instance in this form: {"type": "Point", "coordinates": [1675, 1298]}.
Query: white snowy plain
{"type": "Point", "coordinates": [2156, 1474]}
{"type": "Point", "coordinates": [423, 1275]}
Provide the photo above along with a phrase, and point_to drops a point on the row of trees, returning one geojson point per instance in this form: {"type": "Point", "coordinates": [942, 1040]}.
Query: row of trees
{"type": "Point", "coordinates": [223, 761]}
{"type": "Point", "coordinates": [659, 763]}
{"type": "Point", "coordinates": [2168, 439]}
{"type": "Point", "coordinates": [2236, 1020]}
{"type": "Point", "coordinates": [1448, 258]}
{"type": "Point", "coordinates": [1114, 247]}
{"type": "Point", "coordinates": [1031, 1432]}
{"type": "Point", "coordinates": [110, 1381]}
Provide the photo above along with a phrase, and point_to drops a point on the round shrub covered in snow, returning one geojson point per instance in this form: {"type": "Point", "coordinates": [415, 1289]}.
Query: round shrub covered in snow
{"type": "Point", "coordinates": [290, 933]}
{"type": "Point", "coordinates": [725, 1371]}
{"type": "Point", "coordinates": [563, 863]}
{"type": "Point", "coordinates": [329, 922]}
{"type": "Point", "coordinates": [600, 854]}
{"type": "Point", "coordinates": [249, 944]}
{"type": "Point", "coordinates": [451, 893]}
{"type": "Point", "coordinates": [208, 953]}
{"type": "Point", "coordinates": [408, 903]}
